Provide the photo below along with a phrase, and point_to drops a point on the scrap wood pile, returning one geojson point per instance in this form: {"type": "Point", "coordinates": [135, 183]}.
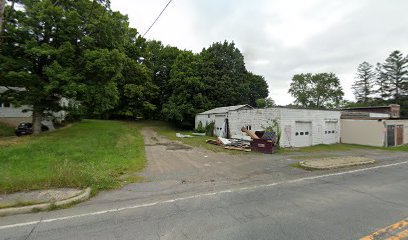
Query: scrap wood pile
{"type": "Point", "coordinates": [231, 144]}
{"type": "Point", "coordinates": [259, 141]}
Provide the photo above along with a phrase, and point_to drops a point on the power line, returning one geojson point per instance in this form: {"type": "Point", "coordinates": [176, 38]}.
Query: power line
{"type": "Point", "coordinates": [157, 17]}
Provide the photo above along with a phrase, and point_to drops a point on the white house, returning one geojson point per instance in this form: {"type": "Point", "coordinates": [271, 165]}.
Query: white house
{"type": "Point", "coordinates": [219, 116]}
{"type": "Point", "coordinates": [299, 127]}
{"type": "Point", "coordinates": [13, 115]}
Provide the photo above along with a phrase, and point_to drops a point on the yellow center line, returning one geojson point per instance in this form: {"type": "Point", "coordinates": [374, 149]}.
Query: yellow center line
{"type": "Point", "coordinates": [390, 232]}
{"type": "Point", "coordinates": [399, 236]}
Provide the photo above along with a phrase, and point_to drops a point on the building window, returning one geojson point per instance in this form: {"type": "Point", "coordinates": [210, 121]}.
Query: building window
{"type": "Point", "coordinates": [302, 133]}
{"type": "Point", "coordinates": [297, 133]}
{"type": "Point", "coordinates": [306, 133]}
{"type": "Point", "coordinates": [6, 105]}
{"type": "Point", "coordinates": [208, 115]}
{"type": "Point", "coordinates": [248, 127]}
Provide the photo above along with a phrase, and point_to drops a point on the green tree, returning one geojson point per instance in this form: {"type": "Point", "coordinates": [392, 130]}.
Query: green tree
{"type": "Point", "coordinates": [160, 59]}
{"type": "Point", "coordinates": [322, 90]}
{"type": "Point", "coordinates": [381, 81]}
{"type": "Point", "coordinates": [137, 91]}
{"type": "Point", "coordinates": [364, 82]}
{"type": "Point", "coordinates": [2, 7]}
{"type": "Point", "coordinates": [265, 102]}
{"type": "Point", "coordinates": [396, 72]}
{"type": "Point", "coordinates": [228, 81]}
{"type": "Point", "coordinates": [59, 48]}
{"type": "Point", "coordinates": [187, 98]}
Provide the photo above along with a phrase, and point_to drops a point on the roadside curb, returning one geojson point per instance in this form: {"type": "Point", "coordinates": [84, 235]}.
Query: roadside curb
{"type": "Point", "coordinates": [307, 165]}
{"type": "Point", "coordinates": [46, 206]}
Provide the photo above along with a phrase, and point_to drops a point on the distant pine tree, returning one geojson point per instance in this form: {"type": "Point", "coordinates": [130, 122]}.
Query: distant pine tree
{"type": "Point", "coordinates": [396, 72]}
{"type": "Point", "coordinates": [363, 86]}
{"type": "Point", "coordinates": [381, 82]}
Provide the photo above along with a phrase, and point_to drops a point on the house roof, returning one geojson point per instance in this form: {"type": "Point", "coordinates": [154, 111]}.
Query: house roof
{"type": "Point", "coordinates": [225, 109]}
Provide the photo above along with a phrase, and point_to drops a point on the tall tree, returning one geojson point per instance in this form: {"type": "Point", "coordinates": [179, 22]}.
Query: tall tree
{"type": "Point", "coordinates": [381, 81]}
{"type": "Point", "coordinates": [2, 7]}
{"type": "Point", "coordinates": [321, 90]}
{"type": "Point", "coordinates": [226, 77]}
{"type": "Point", "coordinates": [187, 98]}
{"type": "Point", "coordinates": [160, 59]}
{"type": "Point", "coordinates": [59, 48]}
{"type": "Point", "coordinates": [396, 72]}
{"type": "Point", "coordinates": [364, 82]}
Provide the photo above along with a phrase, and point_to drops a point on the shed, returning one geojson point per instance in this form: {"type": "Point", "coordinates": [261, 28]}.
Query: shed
{"type": "Point", "coordinates": [219, 116]}
{"type": "Point", "coordinates": [375, 132]}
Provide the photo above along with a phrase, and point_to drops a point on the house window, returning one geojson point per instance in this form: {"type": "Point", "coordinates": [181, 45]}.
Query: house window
{"type": "Point", "coordinates": [297, 133]}
{"type": "Point", "coordinates": [6, 104]}
{"type": "Point", "coordinates": [248, 127]}
{"type": "Point", "coordinates": [306, 133]}
{"type": "Point", "coordinates": [208, 115]}
{"type": "Point", "coordinates": [302, 133]}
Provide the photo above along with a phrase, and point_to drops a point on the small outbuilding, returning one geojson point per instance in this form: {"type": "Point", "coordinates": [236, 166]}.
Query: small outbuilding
{"type": "Point", "coordinates": [374, 126]}
{"type": "Point", "coordinates": [219, 116]}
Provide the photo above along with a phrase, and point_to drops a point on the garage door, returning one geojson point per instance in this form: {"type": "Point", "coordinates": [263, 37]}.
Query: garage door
{"type": "Point", "coordinates": [303, 134]}
{"type": "Point", "coordinates": [330, 133]}
{"type": "Point", "coordinates": [219, 125]}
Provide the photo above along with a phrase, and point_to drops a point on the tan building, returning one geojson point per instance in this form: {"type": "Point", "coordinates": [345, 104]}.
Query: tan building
{"type": "Point", "coordinates": [374, 132]}
{"type": "Point", "coordinates": [382, 127]}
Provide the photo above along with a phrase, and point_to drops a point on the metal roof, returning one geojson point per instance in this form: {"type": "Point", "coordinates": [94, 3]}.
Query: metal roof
{"type": "Point", "coordinates": [225, 109]}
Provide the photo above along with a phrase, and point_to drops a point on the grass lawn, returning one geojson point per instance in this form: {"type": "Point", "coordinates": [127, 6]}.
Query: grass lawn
{"type": "Point", "coordinates": [90, 153]}
{"type": "Point", "coordinates": [6, 131]}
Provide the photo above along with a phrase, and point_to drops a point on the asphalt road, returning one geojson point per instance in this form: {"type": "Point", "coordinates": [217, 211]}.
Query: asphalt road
{"type": "Point", "coordinates": [346, 205]}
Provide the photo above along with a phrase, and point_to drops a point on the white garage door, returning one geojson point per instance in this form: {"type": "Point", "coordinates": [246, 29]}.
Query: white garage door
{"type": "Point", "coordinates": [303, 134]}
{"type": "Point", "coordinates": [330, 133]}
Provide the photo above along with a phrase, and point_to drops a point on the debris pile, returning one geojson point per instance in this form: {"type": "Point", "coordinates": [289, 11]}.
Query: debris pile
{"type": "Point", "coordinates": [259, 141]}
{"type": "Point", "coordinates": [231, 144]}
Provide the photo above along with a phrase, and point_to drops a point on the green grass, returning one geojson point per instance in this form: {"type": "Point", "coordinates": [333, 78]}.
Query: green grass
{"type": "Point", "coordinates": [91, 153]}
{"type": "Point", "coordinates": [329, 148]}
{"type": "Point", "coordinates": [6, 130]}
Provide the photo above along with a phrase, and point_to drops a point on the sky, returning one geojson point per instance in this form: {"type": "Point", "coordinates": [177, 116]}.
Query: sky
{"type": "Point", "coordinates": [280, 38]}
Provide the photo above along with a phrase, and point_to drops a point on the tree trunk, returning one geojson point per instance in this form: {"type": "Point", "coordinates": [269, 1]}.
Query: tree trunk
{"type": "Point", "coordinates": [37, 119]}
{"type": "Point", "coordinates": [2, 7]}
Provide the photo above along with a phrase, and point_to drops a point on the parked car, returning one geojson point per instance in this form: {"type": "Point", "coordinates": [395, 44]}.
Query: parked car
{"type": "Point", "coordinates": [27, 129]}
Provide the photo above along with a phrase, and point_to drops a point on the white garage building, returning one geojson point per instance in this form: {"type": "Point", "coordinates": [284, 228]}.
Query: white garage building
{"type": "Point", "coordinates": [299, 127]}
{"type": "Point", "coordinates": [219, 116]}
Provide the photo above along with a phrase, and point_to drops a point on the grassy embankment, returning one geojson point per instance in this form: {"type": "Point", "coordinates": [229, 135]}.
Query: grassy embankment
{"type": "Point", "coordinates": [91, 153]}
{"type": "Point", "coordinates": [6, 131]}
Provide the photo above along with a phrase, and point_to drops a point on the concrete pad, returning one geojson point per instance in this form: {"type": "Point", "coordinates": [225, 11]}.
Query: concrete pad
{"type": "Point", "coordinates": [25, 202]}
{"type": "Point", "coordinates": [336, 162]}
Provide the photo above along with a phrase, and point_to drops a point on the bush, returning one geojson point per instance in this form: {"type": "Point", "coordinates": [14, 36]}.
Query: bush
{"type": "Point", "coordinates": [200, 128]}
{"type": "Point", "coordinates": [209, 129]}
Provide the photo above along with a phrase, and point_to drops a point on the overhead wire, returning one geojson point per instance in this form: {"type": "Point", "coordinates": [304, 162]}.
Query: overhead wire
{"type": "Point", "coordinates": [157, 18]}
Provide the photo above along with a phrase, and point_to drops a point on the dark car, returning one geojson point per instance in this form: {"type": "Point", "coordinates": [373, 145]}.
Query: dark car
{"type": "Point", "coordinates": [27, 129]}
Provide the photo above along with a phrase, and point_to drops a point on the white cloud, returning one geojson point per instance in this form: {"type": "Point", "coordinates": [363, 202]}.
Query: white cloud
{"type": "Point", "coordinates": [281, 38]}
